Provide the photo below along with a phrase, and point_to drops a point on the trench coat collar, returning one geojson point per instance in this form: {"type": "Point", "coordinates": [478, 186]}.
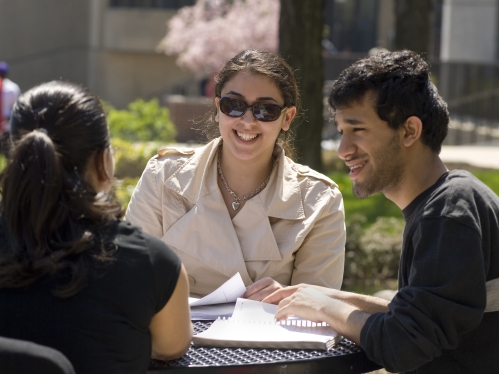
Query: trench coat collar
{"type": "Point", "coordinates": [198, 178]}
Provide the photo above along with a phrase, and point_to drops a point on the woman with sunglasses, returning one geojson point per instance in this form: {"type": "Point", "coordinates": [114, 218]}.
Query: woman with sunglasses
{"type": "Point", "coordinates": [73, 276]}
{"type": "Point", "coordinates": [240, 204]}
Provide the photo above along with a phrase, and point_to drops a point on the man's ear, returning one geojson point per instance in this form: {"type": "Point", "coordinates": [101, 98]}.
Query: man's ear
{"type": "Point", "coordinates": [413, 128]}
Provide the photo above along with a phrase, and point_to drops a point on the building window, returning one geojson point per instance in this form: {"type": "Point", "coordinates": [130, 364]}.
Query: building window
{"type": "Point", "coordinates": [165, 4]}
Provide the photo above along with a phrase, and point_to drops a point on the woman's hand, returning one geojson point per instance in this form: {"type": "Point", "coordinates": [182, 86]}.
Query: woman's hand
{"type": "Point", "coordinates": [261, 289]}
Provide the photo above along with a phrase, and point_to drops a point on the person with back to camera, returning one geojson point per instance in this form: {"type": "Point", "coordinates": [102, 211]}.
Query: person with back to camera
{"type": "Point", "coordinates": [73, 276]}
{"type": "Point", "coordinates": [238, 204]}
{"type": "Point", "coordinates": [445, 316]}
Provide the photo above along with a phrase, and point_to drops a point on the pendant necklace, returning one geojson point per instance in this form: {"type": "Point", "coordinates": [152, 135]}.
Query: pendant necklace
{"type": "Point", "coordinates": [236, 203]}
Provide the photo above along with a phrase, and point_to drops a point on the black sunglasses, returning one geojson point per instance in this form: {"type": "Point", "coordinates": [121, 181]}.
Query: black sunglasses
{"type": "Point", "coordinates": [264, 112]}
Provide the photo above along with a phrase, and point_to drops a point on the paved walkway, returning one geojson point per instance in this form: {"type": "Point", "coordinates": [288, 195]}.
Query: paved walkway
{"type": "Point", "coordinates": [485, 156]}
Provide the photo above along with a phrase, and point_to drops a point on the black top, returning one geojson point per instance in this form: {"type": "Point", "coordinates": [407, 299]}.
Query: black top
{"type": "Point", "coordinates": [105, 327]}
{"type": "Point", "coordinates": [436, 322]}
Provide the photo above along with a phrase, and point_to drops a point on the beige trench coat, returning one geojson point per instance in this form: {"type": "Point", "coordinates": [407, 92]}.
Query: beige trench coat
{"type": "Point", "coordinates": [293, 231]}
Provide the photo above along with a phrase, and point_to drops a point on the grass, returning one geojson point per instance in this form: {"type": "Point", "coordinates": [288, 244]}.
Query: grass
{"type": "Point", "coordinates": [489, 177]}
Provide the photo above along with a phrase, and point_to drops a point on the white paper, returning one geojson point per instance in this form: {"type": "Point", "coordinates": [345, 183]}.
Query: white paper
{"type": "Point", "coordinates": [226, 293]}
{"type": "Point", "coordinates": [259, 331]}
{"type": "Point", "coordinates": [253, 325]}
{"type": "Point", "coordinates": [251, 310]}
{"type": "Point", "coordinates": [211, 312]}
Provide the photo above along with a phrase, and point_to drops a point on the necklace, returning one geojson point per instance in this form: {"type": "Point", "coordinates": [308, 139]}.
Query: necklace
{"type": "Point", "coordinates": [236, 203]}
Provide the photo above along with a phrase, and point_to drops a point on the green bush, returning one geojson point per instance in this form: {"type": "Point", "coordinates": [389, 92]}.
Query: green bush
{"type": "Point", "coordinates": [130, 159]}
{"type": "Point", "coordinates": [382, 243]}
{"type": "Point", "coordinates": [137, 133]}
{"type": "Point", "coordinates": [372, 207]}
{"type": "Point", "coordinates": [372, 254]}
{"type": "Point", "coordinates": [124, 189]}
{"type": "Point", "coordinates": [143, 121]}
{"type": "Point", "coordinates": [3, 162]}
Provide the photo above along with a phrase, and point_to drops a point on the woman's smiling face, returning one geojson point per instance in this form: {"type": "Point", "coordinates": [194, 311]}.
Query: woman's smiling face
{"type": "Point", "coordinates": [245, 137]}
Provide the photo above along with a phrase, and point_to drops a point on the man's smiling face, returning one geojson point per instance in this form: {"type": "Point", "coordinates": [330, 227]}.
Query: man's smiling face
{"type": "Point", "coordinates": [371, 149]}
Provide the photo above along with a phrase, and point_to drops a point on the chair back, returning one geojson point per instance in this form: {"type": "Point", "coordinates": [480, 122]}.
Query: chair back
{"type": "Point", "coordinates": [24, 357]}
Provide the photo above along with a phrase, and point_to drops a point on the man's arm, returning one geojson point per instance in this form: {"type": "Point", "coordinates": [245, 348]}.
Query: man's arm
{"type": "Point", "coordinates": [368, 304]}
{"type": "Point", "coordinates": [313, 305]}
{"type": "Point", "coordinates": [345, 312]}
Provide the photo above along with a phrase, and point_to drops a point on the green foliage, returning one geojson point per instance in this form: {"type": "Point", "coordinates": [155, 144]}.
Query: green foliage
{"type": "Point", "coordinates": [143, 121]}
{"type": "Point", "coordinates": [3, 162]}
{"type": "Point", "coordinates": [382, 243]}
{"type": "Point", "coordinates": [124, 189]}
{"type": "Point", "coordinates": [372, 207]}
{"type": "Point", "coordinates": [372, 253]}
{"type": "Point", "coordinates": [490, 178]}
{"type": "Point", "coordinates": [130, 159]}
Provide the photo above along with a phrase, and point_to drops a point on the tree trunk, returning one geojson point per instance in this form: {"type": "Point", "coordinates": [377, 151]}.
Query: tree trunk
{"type": "Point", "coordinates": [300, 35]}
{"type": "Point", "coordinates": [412, 25]}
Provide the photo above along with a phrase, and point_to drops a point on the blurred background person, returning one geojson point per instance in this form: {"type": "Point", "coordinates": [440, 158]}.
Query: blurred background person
{"type": "Point", "coordinates": [9, 93]}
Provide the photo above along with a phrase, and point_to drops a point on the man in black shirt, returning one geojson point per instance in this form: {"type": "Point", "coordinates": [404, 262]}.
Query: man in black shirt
{"type": "Point", "coordinates": [445, 316]}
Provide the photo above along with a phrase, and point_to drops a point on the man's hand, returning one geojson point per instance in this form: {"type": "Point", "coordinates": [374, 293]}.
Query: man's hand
{"type": "Point", "coordinates": [312, 304]}
{"type": "Point", "coordinates": [305, 302]}
{"type": "Point", "coordinates": [278, 295]}
{"type": "Point", "coordinates": [261, 289]}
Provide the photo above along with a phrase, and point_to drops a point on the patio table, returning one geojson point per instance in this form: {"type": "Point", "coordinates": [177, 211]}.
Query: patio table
{"type": "Point", "coordinates": [345, 357]}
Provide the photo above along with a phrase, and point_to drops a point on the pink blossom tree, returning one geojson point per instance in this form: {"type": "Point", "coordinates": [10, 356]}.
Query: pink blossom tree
{"type": "Point", "coordinates": [210, 32]}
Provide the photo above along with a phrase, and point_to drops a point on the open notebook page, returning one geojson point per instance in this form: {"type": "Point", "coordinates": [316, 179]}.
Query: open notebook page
{"type": "Point", "coordinates": [253, 325]}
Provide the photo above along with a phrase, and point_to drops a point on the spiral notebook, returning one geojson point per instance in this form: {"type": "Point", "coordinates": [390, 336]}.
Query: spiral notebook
{"type": "Point", "coordinates": [252, 325]}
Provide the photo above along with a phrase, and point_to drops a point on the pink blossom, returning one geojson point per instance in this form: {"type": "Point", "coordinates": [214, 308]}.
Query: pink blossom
{"type": "Point", "coordinates": [209, 33]}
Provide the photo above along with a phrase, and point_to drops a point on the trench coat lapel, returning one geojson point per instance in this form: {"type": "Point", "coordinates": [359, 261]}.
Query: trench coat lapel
{"type": "Point", "coordinates": [283, 197]}
{"type": "Point", "coordinates": [255, 234]}
{"type": "Point", "coordinates": [213, 240]}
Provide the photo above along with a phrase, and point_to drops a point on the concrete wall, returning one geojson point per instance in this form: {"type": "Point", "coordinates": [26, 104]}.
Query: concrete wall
{"type": "Point", "coordinates": [385, 32]}
{"type": "Point", "coordinates": [134, 29]}
{"type": "Point", "coordinates": [469, 30]}
{"type": "Point", "coordinates": [44, 40]}
{"type": "Point", "coordinates": [111, 50]}
{"type": "Point", "coordinates": [466, 133]}
{"type": "Point", "coordinates": [123, 77]}
{"type": "Point", "coordinates": [187, 114]}
{"type": "Point", "coordinates": [128, 65]}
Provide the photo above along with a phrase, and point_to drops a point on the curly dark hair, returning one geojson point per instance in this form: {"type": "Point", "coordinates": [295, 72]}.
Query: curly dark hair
{"type": "Point", "coordinates": [401, 86]}
{"type": "Point", "coordinates": [268, 64]}
{"type": "Point", "coordinates": [51, 218]}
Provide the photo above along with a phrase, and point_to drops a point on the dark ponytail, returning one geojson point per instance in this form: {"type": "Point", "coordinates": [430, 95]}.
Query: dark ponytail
{"type": "Point", "coordinates": [52, 218]}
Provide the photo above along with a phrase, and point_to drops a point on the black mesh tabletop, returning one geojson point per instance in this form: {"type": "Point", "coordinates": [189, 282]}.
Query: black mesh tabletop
{"type": "Point", "coordinates": [345, 357]}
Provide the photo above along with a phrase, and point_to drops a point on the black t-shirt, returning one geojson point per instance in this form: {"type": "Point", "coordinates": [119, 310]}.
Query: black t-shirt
{"type": "Point", "coordinates": [105, 327]}
{"type": "Point", "coordinates": [436, 322]}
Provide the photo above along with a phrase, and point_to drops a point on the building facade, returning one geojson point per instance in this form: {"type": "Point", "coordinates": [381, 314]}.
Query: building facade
{"type": "Point", "coordinates": [107, 45]}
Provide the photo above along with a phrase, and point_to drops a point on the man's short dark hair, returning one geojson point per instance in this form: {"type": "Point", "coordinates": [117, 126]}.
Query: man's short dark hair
{"type": "Point", "coordinates": [401, 87]}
